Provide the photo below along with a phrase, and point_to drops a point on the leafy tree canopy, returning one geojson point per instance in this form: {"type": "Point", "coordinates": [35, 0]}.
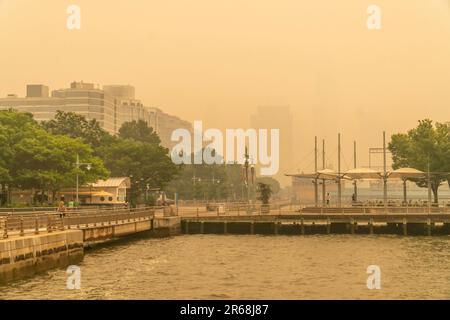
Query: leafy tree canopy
{"type": "Point", "coordinates": [426, 146]}
{"type": "Point", "coordinates": [32, 158]}
{"type": "Point", "coordinates": [77, 126]}
{"type": "Point", "coordinates": [139, 131]}
{"type": "Point", "coordinates": [264, 192]}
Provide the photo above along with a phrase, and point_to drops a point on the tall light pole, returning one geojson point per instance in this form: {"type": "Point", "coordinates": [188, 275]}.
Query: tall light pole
{"type": "Point", "coordinates": [77, 165]}
{"type": "Point", "coordinates": [385, 197]}
{"type": "Point", "coordinates": [339, 172]}
{"type": "Point", "coordinates": [316, 187]}
{"type": "Point", "coordinates": [355, 187]}
{"type": "Point", "coordinates": [246, 165]}
{"type": "Point", "coordinates": [324, 188]}
{"type": "Point", "coordinates": [429, 184]}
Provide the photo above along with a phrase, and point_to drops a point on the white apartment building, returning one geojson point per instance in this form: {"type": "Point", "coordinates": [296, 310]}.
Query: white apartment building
{"type": "Point", "coordinates": [111, 106]}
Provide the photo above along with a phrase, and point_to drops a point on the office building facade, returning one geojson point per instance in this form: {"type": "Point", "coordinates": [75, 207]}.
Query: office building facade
{"type": "Point", "coordinates": [111, 106]}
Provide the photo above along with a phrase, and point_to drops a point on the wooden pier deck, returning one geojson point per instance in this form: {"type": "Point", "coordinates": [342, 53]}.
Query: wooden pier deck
{"type": "Point", "coordinates": [323, 221]}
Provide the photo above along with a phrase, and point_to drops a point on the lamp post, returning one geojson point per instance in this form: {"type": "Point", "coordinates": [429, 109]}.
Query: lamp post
{"type": "Point", "coordinates": [385, 195]}
{"type": "Point", "coordinates": [77, 165]}
{"type": "Point", "coordinates": [429, 184]}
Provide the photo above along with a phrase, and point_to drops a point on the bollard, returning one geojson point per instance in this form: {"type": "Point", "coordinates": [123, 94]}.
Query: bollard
{"type": "Point", "coordinates": [371, 226]}
{"type": "Point", "coordinates": [302, 226]}
{"type": "Point", "coordinates": [405, 227]}
{"type": "Point", "coordinates": [225, 227]}
{"type": "Point", "coordinates": [5, 230]}
{"type": "Point", "coordinates": [61, 227]}
{"type": "Point", "coordinates": [22, 233]}
{"type": "Point", "coordinates": [429, 227]}
{"type": "Point", "coordinates": [49, 224]}
{"type": "Point", "coordinates": [36, 225]}
{"type": "Point", "coordinates": [352, 226]}
{"type": "Point", "coordinates": [252, 227]}
{"type": "Point", "coordinates": [275, 225]}
{"type": "Point", "coordinates": [328, 226]}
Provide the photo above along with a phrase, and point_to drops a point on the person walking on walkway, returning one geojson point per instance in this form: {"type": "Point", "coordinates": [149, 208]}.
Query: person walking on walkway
{"type": "Point", "coordinates": [328, 199]}
{"type": "Point", "coordinates": [62, 209]}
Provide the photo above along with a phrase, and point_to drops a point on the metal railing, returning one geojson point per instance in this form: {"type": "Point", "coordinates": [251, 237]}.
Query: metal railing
{"type": "Point", "coordinates": [239, 209]}
{"type": "Point", "coordinates": [34, 223]}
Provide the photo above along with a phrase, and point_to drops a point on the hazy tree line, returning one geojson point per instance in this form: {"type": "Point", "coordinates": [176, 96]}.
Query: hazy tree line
{"type": "Point", "coordinates": [216, 182]}
{"type": "Point", "coordinates": [42, 157]}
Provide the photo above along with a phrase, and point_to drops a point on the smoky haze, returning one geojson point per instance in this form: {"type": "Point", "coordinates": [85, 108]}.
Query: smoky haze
{"type": "Point", "coordinates": [217, 61]}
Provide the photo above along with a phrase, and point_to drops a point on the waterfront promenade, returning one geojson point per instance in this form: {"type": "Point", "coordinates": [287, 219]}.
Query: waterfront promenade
{"type": "Point", "coordinates": [35, 241]}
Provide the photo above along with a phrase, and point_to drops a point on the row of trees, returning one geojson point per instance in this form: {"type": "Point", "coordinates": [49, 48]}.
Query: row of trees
{"type": "Point", "coordinates": [426, 148]}
{"type": "Point", "coordinates": [216, 182]}
{"type": "Point", "coordinates": [42, 157]}
{"type": "Point", "coordinates": [32, 158]}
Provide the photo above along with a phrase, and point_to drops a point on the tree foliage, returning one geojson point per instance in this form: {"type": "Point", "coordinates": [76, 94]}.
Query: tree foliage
{"type": "Point", "coordinates": [273, 183]}
{"type": "Point", "coordinates": [139, 131]}
{"type": "Point", "coordinates": [76, 126]}
{"type": "Point", "coordinates": [202, 182]}
{"type": "Point", "coordinates": [425, 147]}
{"type": "Point", "coordinates": [264, 192]}
{"type": "Point", "coordinates": [32, 158]}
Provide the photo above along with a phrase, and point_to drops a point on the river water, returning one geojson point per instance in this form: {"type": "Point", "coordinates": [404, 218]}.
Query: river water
{"type": "Point", "coordinates": [252, 267]}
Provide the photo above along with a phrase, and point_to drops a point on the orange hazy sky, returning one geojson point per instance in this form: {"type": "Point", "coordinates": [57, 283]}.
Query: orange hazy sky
{"type": "Point", "coordinates": [217, 60]}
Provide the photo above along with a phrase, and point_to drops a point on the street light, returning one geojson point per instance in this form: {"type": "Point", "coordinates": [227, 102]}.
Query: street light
{"type": "Point", "coordinates": [77, 165]}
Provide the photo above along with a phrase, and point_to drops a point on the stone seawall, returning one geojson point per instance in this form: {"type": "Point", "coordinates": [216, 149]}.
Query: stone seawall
{"type": "Point", "coordinates": [27, 255]}
{"type": "Point", "coordinates": [166, 227]}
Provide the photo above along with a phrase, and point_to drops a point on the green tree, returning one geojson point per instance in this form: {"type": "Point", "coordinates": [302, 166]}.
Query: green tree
{"type": "Point", "coordinates": [139, 131]}
{"type": "Point", "coordinates": [136, 151]}
{"type": "Point", "coordinates": [264, 192]}
{"type": "Point", "coordinates": [146, 164]}
{"type": "Point", "coordinates": [426, 146]}
{"type": "Point", "coordinates": [273, 183]}
{"type": "Point", "coordinates": [77, 126]}
{"type": "Point", "coordinates": [208, 182]}
{"type": "Point", "coordinates": [34, 159]}
{"type": "Point", "coordinates": [14, 127]}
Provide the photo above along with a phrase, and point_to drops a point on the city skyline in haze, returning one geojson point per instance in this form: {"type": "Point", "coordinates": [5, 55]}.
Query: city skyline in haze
{"type": "Point", "coordinates": [218, 61]}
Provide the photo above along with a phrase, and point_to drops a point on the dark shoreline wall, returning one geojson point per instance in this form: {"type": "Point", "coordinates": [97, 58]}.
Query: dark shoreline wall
{"type": "Point", "coordinates": [25, 256]}
{"type": "Point", "coordinates": [199, 226]}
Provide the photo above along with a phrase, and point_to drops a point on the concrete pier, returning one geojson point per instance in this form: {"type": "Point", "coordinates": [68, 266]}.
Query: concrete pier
{"type": "Point", "coordinates": [27, 255]}
{"type": "Point", "coordinates": [355, 224]}
{"type": "Point", "coordinates": [23, 254]}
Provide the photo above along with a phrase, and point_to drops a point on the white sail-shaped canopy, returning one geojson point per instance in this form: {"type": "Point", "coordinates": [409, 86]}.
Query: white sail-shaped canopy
{"type": "Point", "coordinates": [325, 174]}
{"type": "Point", "coordinates": [406, 173]}
{"type": "Point", "coordinates": [362, 173]}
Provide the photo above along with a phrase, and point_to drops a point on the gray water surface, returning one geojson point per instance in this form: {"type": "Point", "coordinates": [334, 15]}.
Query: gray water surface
{"type": "Point", "coordinates": [253, 267]}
